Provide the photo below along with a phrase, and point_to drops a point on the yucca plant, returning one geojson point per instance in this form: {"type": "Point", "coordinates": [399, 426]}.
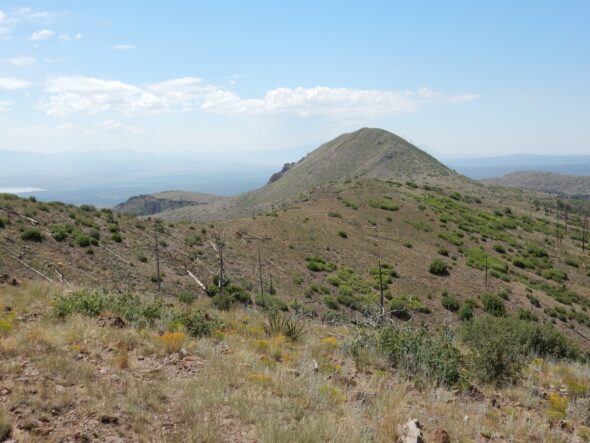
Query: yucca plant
{"type": "Point", "coordinates": [280, 324]}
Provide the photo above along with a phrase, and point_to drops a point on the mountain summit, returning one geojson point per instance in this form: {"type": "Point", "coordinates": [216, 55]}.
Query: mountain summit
{"type": "Point", "coordinates": [368, 153]}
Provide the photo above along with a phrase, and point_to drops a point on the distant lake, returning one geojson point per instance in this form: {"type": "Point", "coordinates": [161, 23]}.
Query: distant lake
{"type": "Point", "coordinates": [22, 190]}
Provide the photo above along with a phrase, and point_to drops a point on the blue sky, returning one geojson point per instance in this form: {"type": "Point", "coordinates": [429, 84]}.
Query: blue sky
{"type": "Point", "coordinates": [245, 78]}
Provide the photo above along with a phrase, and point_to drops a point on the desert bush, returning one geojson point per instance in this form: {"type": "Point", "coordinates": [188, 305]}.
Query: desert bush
{"type": "Point", "coordinates": [402, 305]}
{"type": "Point", "coordinates": [465, 312]}
{"type": "Point", "coordinates": [32, 234]}
{"type": "Point", "coordinates": [172, 341]}
{"type": "Point", "coordinates": [383, 204]}
{"type": "Point", "coordinates": [331, 302]}
{"type": "Point", "coordinates": [438, 267]}
{"type": "Point", "coordinates": [342, 234]}
{"type": "Point", "coordinates": [87, 208]}
{"type": "Point", "coordinates": [501, 347]}
{"type": "Point", "coordinates": [281, 324]}
{"type": "Point", "coordinates": [571, 262]}
{"type": "Point", "coordinates": [443, 251]}
{"type": "Point", "coordinates": [196, 323]}
{"type": "Point", "coordinates": [316, 263]}
{"type": "Point", "coordinates": [194, 240]}
{"type": "Point", "coordinates": [492, 304]}
{"type": "Point", "coordinates": [527, 315]}
{"type": "Point", "coordinates": [555, 275]}
{"type": "Point", "coordinates": [450, 302]}
{"type": "Point", "coordinates": [420, 355]}
{"type": "Point", "coordinates": [231, 296]}
{"type": "Point", "coordinates": [2, 223]}
{"type": "Point", "coordinates": [499, 248]}
{"type": "Point", "coordinates": [116, 237]}
{"type": "Point", "coordinates": [186, 297]}
{"type": "Point", "coordinates": [271, 303]}
{"type": "Point", "coordinates": [537, 251]}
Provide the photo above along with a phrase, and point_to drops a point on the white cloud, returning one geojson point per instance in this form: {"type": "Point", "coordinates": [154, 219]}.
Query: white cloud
{"type": "Point", "coordinates": [31, 16]}
{"type": "Point", "coordinates": [123, 47]}
{"type": "Point", "coordinates": [21, 60]}
{"type": "Point", "coordinates": [78, 36]}
{"type": "Point", "coordinates": [335, 102]}
{"type": "Point", "coordinates": [11, 83]}
{"type": "Point", "coordinates": [43, 34]}
{"type": "Point", "coordinates": [64, 37]}
{"type": "Point", "coordinates": [69, 95]}
{"type": "Point", "coordinates": [5, 105]}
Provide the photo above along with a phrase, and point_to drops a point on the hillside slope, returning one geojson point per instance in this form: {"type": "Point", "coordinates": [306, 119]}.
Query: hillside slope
{"type": "Point", "coordinates": [162, 201]}
{"type": "Point", "coordinates": [369, 153]}
{"type": "Point", "coordinates": [569, 185]}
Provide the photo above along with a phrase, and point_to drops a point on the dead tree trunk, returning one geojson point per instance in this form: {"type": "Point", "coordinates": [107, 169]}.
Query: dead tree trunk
{"type": "Point", "coordinates": [260, 275]}
{"type": "Point", "coordinates": [158, 277]}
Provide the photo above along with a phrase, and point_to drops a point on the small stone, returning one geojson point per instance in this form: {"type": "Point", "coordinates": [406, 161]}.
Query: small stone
{"type": "Point", "coordinates": [441, 436]}
{"type": "Point", "coordinates": [410, 432]}
{"type": "Point", "coordinates": [109, 420]}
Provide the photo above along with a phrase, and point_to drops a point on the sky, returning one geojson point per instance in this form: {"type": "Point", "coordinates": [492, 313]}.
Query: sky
{"type": "Point", "coordinates": [246, 79]}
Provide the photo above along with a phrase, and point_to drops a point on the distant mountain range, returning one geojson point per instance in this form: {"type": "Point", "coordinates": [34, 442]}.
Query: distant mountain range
{"type": "Point", "coordinates": [487, 167]}
{"type": "Point", "coordinates": [568, 185]}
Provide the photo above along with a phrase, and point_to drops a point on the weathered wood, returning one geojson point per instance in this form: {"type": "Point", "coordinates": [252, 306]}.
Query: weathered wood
{"type": "Point", "coordinates": [191, 275]}
{"type": "Point", "coordinates": [114, 253]}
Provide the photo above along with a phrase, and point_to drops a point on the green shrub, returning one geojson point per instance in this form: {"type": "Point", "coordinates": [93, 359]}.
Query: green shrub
{"type": "Point", "coordinates": [61, 232]}
{"type": "Point", "coordinates": [197, 323]}
{"type": "Point", "coordinates": [116, 237]}
{"type": "Point", "coordinates": [84, 241]}
{"type": "Point", "coordinates": [422, 356]}
{"type": "Point", "coordinates": [33, 235]}
{"type": "Point", "coordinates": [402, 305]}
{"type": "Point", "coordinates": [342, 234]}
{"type": "Point", "coordinates": [231, 296]}
{"type": "Point", "coordinates": [450, 302]}
{"type": "Point", "coordinates": [571, 262]}
{"type": "Point", "coordinates": [443, 251]}
{"type": "Point", "coordinates": [534, 300]}
{"type": "Point", "coordinates": [555, 275]}
{"type": "Point", "coordinates": [501, 347]}
{"type": "Point", "coordinates": [318, 264]}
{"type": "Point", "coordinates": [465, 312]}
{"type": "Point", "coordinates": [194, 240]}
{"type": "Point", "coordinates": [331, 302]}
{"type": "Point", "coordinates": [537, 251]}
{"type": "Point", "coordinates": [527, 315]}
{"type": "Point", "coordinates": [438, 267]}
{"type": "Point", "coordinates": [500, 249]}
{"type": "Point", "coordinates": [134, 309]}
{"type": "Point", "coordinates": [492, 304]}
{"type": "Point", "coordinates": [271, 303]}
{"type": "Point", "coordinates": [334, 214]}
{"type": "Point", "coordinates": [2, 223]}
{"type": "Point", "coordinates": [185, 297]}
{"type": "Point", "coordinates": [383, 204]}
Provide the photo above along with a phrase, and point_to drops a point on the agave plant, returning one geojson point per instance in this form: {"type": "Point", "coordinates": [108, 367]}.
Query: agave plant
{"type": "Point", "coordinates": [280, 324]}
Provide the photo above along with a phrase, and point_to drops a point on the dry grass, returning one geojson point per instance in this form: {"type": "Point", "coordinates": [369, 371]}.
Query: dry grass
{"type": "Point", "coordinates": [77, 377]}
